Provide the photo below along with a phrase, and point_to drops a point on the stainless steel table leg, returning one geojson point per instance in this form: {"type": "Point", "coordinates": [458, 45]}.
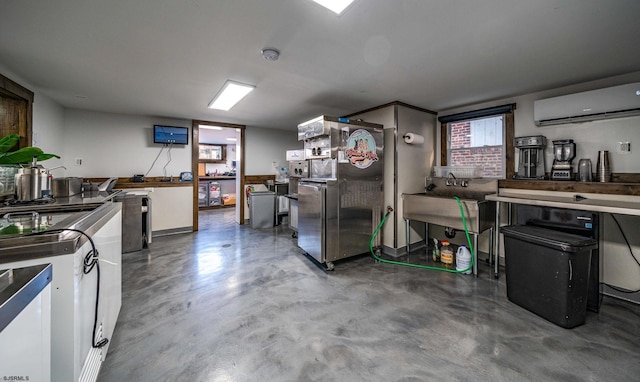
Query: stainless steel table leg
{"type": "Point", "coordinates": [497, 241]}
{"type": "Point", "coordinates": [426, 236]}
{"type": "Point", "coordinates": [475, 254]}
{"type": "Point", "coordinates": [491, 246]}
{"type": "Point", "coordinates": [408, 234]}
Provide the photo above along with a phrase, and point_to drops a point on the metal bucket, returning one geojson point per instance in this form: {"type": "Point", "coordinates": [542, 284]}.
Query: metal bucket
{"type": "Point", "coordinates": [32, 183]}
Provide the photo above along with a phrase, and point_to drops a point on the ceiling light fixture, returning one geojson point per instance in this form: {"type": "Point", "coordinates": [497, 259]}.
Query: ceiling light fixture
{"type": "Point", "coordinates": [336, 6]}
{"type": "Point", "coordinates": [209, 127]}
{"type": "Point", "coordinates": [231, 139]}
{"type": "Point", "coordinates": [270, 54]}
{"type": "Point", "coordinates": [229, 95]}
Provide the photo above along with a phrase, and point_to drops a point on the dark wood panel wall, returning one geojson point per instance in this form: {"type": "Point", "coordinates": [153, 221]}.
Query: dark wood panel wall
{"type": "Point", "coordinates": [16, 111]}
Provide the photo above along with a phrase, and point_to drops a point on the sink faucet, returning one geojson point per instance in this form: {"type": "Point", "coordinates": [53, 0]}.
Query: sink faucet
{"type": "Point", "coordinates": [451, 180]}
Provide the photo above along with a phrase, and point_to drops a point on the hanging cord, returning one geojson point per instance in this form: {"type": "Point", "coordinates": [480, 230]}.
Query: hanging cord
{"type": "Point", "coordinates": [155, 160]}
{"type": "Point", "coordinates": [466, 230]}
{"type": "Point", "coordinates": [164, 169]}
{"type": "Point", "coordinates": [630, 252]}
{"type": "Point", "coordinates": [90, 261]}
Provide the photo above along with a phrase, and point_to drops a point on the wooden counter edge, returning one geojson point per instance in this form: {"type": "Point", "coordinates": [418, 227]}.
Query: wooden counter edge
{"type": "Point", "coordinates": [613, 188]}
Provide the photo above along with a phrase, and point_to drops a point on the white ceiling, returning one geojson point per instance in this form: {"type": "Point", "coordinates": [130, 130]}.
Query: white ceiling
{"type": "Point", "coordinates": [170, 57]}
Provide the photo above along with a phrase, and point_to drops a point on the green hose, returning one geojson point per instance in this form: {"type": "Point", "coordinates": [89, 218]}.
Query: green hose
{"type": "Point", "coordinates": [466, 231]}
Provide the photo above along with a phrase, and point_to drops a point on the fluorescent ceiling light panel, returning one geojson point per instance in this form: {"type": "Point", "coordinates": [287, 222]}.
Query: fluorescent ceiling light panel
{"type": "Point", "coordinates": [229, 95]}
{"type": "Point", "coordinates": [336, 6]}
{"type": "Point", "coordinates": [231, 139]}
{"type": "Point", "coordinates": [209, 127]}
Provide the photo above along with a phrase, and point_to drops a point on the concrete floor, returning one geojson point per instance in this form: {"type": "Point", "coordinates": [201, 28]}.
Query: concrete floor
{"type": "Point", "coordinates": [230, 303]}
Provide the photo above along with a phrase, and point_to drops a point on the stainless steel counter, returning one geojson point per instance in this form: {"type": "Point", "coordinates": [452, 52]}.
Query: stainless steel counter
{"type": "Point", "coordinates": [590, 202]}
{"type": "Point", "coordinates": [55, 240]}
{"type": "Point", "coordinates": [83, 201]}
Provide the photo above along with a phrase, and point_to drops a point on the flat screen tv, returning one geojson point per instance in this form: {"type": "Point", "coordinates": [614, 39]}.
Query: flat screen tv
{"type": "Point", "coordinates": [170, 134]}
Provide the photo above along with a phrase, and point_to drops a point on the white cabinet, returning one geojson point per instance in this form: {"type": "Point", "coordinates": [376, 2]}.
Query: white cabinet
{"type": "Point", "coordinates": [73, 297]}
{"type": "Point", "coordinates": [25, 343]}
{"type": "Point", "coordinates": [172, 208]}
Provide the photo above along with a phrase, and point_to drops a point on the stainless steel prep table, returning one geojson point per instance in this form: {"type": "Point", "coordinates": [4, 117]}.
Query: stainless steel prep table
{"type": "Point", "coordinates": [615, 204]}
{"type": "Point", "coordinates": [80, 202]}
{"type": "Point", "coordinates": [84, 211]}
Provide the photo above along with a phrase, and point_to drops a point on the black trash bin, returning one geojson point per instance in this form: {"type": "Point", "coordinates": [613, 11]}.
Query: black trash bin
{"type": "Point", "coordinates": [547, 272]}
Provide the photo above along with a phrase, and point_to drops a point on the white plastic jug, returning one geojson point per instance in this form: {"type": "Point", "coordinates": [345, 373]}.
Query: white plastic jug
{"type": "Point", "coordinates": [463, 259]}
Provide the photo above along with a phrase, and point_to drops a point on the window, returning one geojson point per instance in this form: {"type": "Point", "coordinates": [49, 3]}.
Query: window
{"type": "Point", "coordinates": [212, 153]}
{"type": "Point", "coordinates": [478, 142]}
{"type": "Point", "coordinates": [481, 138]}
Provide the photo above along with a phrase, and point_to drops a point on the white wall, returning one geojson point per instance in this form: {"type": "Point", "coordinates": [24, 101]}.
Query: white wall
{"type": "Point", "coordinates": [265, 146]}
{"type": "Point", "coordinates": [117, 145]}
{"type": "Point", "coordinates": [48, 127]}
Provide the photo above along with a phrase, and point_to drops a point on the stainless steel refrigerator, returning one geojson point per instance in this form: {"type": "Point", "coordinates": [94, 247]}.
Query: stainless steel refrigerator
{"type": "Point", "coordinates": [340, 203]}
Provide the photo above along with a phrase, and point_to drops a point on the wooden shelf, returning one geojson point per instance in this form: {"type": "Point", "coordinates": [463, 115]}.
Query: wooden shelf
{"type": "Point", "coordinates": [616, 187]}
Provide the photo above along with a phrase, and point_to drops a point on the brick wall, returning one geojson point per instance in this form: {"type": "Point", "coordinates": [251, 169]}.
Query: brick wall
{"type": "Point", "coordinates": [460, 135]}
{"type": "Point", "coordinates": [487, 157]}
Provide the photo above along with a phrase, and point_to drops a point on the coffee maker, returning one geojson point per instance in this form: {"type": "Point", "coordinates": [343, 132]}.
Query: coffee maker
{"type": "Point", "coordinates": [564, 150]}
{"type": "Point", "coordinates": [531, 157]}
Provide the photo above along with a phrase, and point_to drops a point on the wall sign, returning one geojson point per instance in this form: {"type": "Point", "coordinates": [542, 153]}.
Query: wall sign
{"type": "Point", "coordinates": [361, 149]}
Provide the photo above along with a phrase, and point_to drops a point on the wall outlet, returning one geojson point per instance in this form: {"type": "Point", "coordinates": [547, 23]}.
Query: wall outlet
{"type": "Point", "coordinates": [78, 161]}
{"type": "Point", "coordinates": [624, 147]}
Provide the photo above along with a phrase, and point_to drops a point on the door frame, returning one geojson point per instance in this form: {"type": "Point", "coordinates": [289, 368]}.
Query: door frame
{"type": "Point", "coordinates": [195, 133]}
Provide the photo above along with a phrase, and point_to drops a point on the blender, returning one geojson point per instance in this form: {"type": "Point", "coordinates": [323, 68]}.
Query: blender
{"type": "Point", "coordinates": [564, 150]}
{"type": "Point", "coordinates": [531, 157]}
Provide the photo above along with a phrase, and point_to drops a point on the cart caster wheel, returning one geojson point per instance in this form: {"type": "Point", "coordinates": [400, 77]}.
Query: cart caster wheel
{"type": "Point", "coordinates": [330, 266]}
{"type": "Point", "coordinates": [294, 235]}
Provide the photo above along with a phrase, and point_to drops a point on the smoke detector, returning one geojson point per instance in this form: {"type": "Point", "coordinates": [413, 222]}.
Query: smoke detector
{"type": "Point", "coordinates": [270, 54]}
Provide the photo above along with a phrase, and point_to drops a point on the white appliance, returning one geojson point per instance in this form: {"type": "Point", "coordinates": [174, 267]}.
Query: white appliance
{"type": "Point", "coordinates": [73, 295]}
{"type": "Point", "coordinates": [613, 102]}
{"type": "Point", "coordinates": [25, 323]}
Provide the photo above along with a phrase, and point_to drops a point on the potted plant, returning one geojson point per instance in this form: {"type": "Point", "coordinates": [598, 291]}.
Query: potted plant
{"type": "Point", "coordinates": [23, 155]}
{"type": "Point", "coordinates": [9, 161]}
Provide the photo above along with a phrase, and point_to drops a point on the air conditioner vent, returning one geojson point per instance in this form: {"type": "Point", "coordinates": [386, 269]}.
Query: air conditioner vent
{"type": "Point", "coordinates": [614, 102]}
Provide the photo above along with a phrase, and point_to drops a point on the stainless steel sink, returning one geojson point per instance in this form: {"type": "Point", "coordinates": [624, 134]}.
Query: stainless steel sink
{"type": "Point", "coordinates": [438, 206]}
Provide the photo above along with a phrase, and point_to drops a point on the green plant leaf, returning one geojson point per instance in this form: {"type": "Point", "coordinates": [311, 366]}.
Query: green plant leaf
{"type": "Point", "coordinates": [11, 229]}
{"type": "Point", "coordinates": [7, 142]}
{"type": "Point", "coordinates": [25, 155]}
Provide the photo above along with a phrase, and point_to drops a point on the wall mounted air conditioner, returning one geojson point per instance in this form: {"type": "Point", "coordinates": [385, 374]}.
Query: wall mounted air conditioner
{"type": "Point", "coordinates": [614, 102]}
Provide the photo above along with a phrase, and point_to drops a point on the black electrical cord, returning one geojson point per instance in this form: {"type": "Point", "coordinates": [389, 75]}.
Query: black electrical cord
{"type": "Point", "coordinates": [155, 160]}
{"type": "Point", "coordinates": [90, 261]}
{"type": "Point", "coordinates": [625, 239]}
{"type": "Point", "coordinates": [164, 169]}
{"type": "Point", "coordinates": [618, 289]}
{"type": "Point", "coordinates": [630, 252]}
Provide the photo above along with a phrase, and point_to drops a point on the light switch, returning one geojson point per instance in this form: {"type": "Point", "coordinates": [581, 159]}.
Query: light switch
{"type": "Point", "coordinates": [624, 147]}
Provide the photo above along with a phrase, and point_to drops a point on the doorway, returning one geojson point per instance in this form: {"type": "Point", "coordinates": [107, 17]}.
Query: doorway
{"type": "Point", "coordinates": [218, 161]}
